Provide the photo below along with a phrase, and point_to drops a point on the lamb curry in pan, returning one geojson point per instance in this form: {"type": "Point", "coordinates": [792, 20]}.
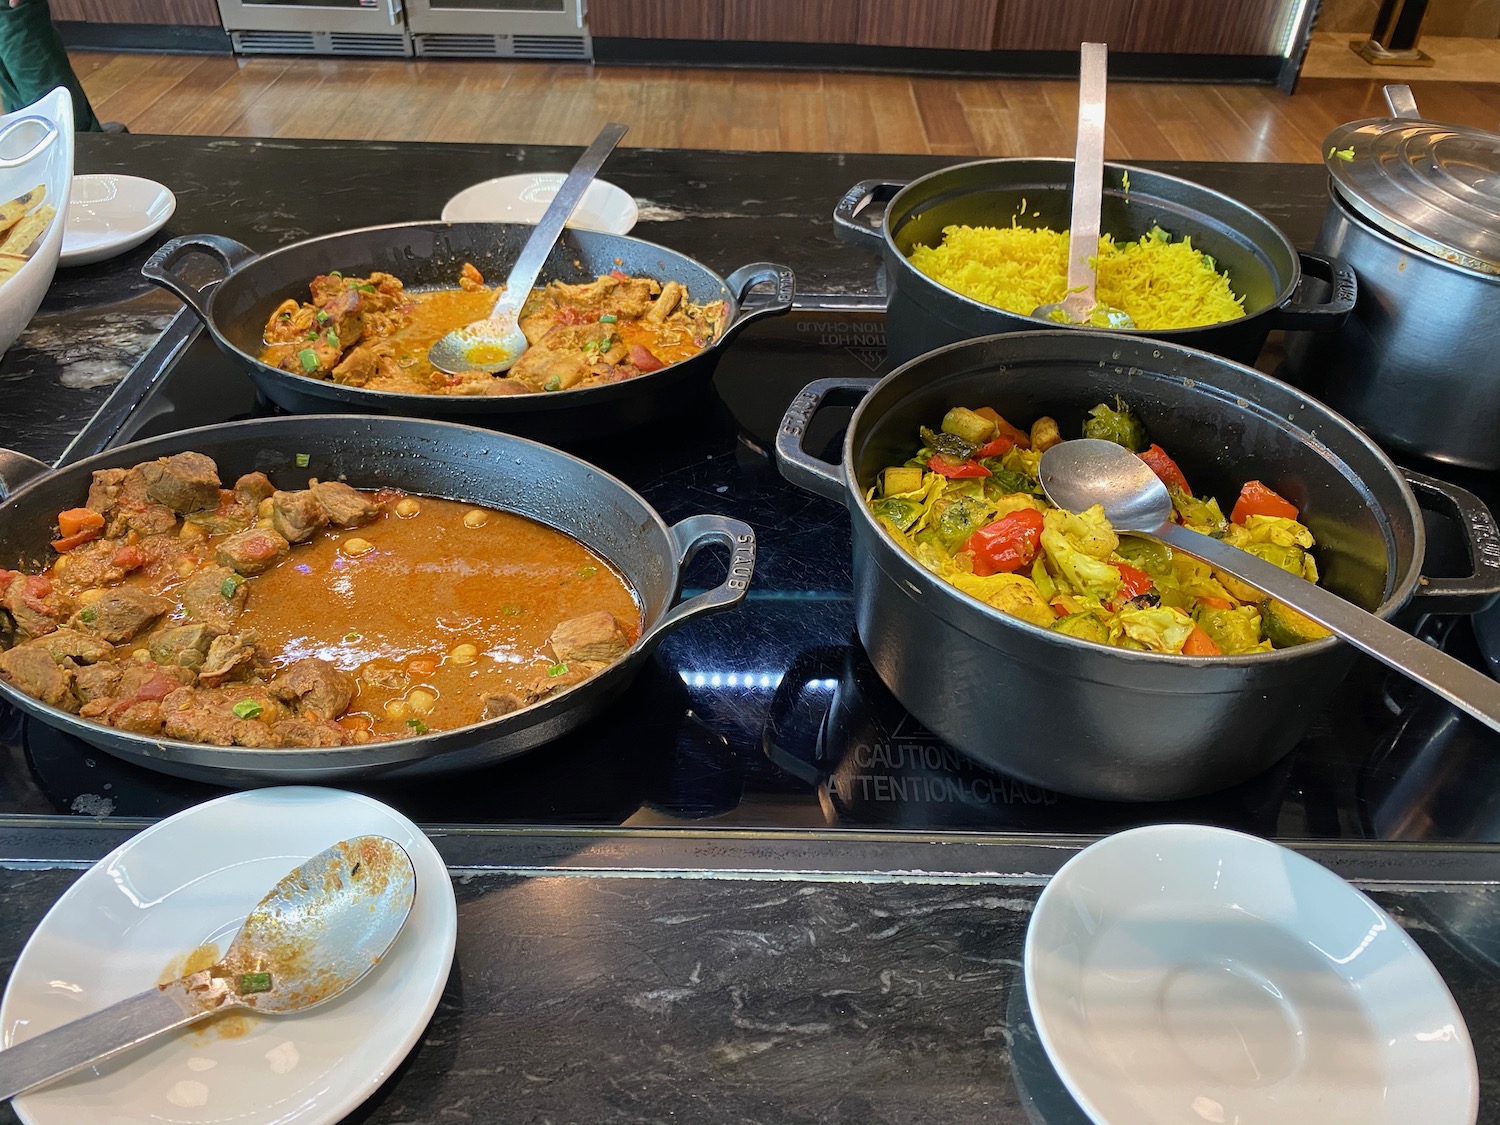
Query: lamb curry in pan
{"type": "Point", "coordinates": [256, 617]}
{"type": "Point", "coordinates": [372, 332]}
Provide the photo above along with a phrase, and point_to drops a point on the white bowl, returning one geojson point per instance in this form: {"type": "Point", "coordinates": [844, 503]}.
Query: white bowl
{"type": "Point", "coordinates": [1180, 975]}
{"type": "Point", "coordinates": [523, 198]}
{"type": "Point", "coordinates": [110, 214]}
{"type": "Point", "coordinates": [21, 294]}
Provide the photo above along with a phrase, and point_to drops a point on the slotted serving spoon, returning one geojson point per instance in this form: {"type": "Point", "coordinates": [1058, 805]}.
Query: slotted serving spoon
{"type": "Point", "coordinates": [1081, 305]}
{"type": "Point", "coordinates": [1079, 474]}
{"type": "Point", "coordinates": [493, 344]}
{"type": "Point", "coordinates": [324, 926]}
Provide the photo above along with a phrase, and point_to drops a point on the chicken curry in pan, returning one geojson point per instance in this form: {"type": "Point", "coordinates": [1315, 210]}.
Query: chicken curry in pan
{"type": "Point", "coordinates": [372, 332]}
{"type": "Point", "coordinates": [252, 616]}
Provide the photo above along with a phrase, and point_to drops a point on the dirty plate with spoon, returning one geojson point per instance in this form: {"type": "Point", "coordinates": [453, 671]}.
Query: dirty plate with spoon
{"type": "Point", "coordinates": [170, 900]}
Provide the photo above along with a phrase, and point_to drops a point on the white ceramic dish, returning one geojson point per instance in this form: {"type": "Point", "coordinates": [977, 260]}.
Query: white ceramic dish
{"type": "Point", "coordinates": [1182, 975]}
{"type": "Point", "coordinates": [190, 880]}
{"type": "Point", "coordinates": [110, 214]}
{"type": "Point", "coordinates": [523, 198]}
{"type": "Point", "coordinates": [21, 294]}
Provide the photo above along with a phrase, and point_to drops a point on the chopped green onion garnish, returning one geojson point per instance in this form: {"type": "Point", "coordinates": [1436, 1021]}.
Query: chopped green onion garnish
{"type": "Point", "coordinates": [322, 317]}
{"type": "Point", "coordinates": [416, 726]}
{"type": "Point", "coordinates": [230, 585]}
{"type": "Point", "coordinates": [557, 669]}
{"type": "Point", "coordinates": [332, 338]}
{"type": "Point", "coordinates": [312, 335]}
{"type": "Point", "coordinates": [510, 610]}
{"type": "Point", "coordinates": [309, 359]}
{"type": "Point", "coordinates": [248, 709]}
{"type": "Point", "coordinates": [302, 459]}
{"type": "Point", "coordinates": [87, 614]}
{"type": "Point", "coordinates": [365, 288]}
{"type": "Point", "coordinates": [254, 982]}
{"type": "Point", "coordinates": [609, 318]}
{"type": "Point", "coordinates": [334, 273]}
{"type": "Point", "coordinates": [587, 571]}
{"type": "Point", "coordinates": [351, 636]}
{"type": "Point", "coordinates": [553, 384]}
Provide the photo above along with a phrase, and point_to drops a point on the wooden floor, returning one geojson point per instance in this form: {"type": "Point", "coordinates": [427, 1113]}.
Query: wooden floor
{"type": "Point", "coordinates": [564, 103]}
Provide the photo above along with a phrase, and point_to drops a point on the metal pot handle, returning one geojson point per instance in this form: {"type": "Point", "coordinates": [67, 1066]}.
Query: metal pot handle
{"type": "Point", "coordinates": [848, 221]}
{"type": "Point", "coordinates": [690, 536]}
{"type": "Point", "coordinates": [797, 464]}
{"type": "Point", "coordinates": [746, 278]}
{"type": "Point", "coordinates": [16, 469]}
{"type": "Point", "coordinates": [160, 266]}
{"type": "Point", "coordinates": [1299, 315]}
{"type": "Point", "coordinates": [825, 663]}
{"type": "Point", "coordinates": [1482, 536]}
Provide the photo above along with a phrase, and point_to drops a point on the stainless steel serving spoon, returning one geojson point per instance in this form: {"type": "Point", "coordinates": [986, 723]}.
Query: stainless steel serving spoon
{"type": "Point", "coordinates": [320, 929]}
{"type": "Point", "coordinates": [493, 344]}
{"type": "Point", "coordinates": [1079, 474]}
{"type": "Point", "coordinates": [1081, 303]}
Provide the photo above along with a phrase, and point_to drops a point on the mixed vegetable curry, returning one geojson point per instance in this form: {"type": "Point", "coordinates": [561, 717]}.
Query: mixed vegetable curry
{"type": "Point", "coordinates": [371, 332]}
{"type": "Point", "coordinates": [969, 507]}
{"type": "Point", "coordinates": [256, 617]}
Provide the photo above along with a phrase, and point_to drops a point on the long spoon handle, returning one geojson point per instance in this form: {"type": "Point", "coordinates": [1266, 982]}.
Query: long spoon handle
{"type": "Point", "coordinates": [533, 256]}
{"type": "Point", "coordinates": [1469, 690]}
{"type": "Point", "coordinates": [83, 1042]}
{"type": "Point", "coordinates": [1088, 178]}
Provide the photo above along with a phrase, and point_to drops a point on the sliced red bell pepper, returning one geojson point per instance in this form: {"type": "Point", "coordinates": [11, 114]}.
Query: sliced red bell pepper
{"type": "Point", "coordinates": [1006, 545]}
{"type": "Point", "coordinates": [1136, 582]}
{"type": "Point", "coordinates": [996, 447]}
{"type": "Point", "coordinates": [1017, 435]}
{"type": "Point", "coordinates": [1258, 500]}
{"type": "Point", "coordinates": [1166, 469]}
{"type": "Point", "coordinates": [1200, 643]}
{"type": "Point", "coordinates": [619, 275]}
{"type": "Point", "coordinates": [644, 361]}
{"type": "Point", "coordinates": [953, 468]}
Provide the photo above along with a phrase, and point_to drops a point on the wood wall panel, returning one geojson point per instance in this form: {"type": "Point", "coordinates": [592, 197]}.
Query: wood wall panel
{"type": "Point", "coordinates": [792, 21]}
{"type": "Point", "coordinates": [1223, 27]}
{"type": "Point", "coordinates": [965, 25]}
{"type": "Point", "coordinates": [657, 19]}
{"type": "Point", "coordinates": [1056, 25]}
{"type": "Point", "coordinates": [198, 13]}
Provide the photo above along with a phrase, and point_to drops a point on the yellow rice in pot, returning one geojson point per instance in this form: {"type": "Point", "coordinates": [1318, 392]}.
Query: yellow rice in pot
{"type": "Point", "coordinates": [1162, 284]}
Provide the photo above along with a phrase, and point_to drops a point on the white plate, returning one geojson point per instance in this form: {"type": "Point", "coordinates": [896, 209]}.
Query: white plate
{"type": "Point", "coordinates": [191, 879]}
{"type": "Point", "coordinates": [522, 199]}
{"type": "Point", "coordinates": [110, 214]}
{"type": "Point", "coordinates": [1180, 975]}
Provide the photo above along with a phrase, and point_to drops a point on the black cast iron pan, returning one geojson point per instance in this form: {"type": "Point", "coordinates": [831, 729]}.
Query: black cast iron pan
{"type": "Point", "coordinates": [424, 458]}
{"type": "Point", "coordinates": [429, 256]}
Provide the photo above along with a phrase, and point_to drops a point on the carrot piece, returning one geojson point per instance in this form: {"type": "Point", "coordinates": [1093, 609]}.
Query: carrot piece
{"type": "Point", "coordinates": [74, 520]}
{"type": "Point", "coordinates": [68, 542]}
{"type": "Point", "coordinates": [1019, 436]}
{"type": "Point", "coordinates": [1200, 643]}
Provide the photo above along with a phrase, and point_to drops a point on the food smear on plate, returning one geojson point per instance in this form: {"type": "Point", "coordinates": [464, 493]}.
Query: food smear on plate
{"type": "Point", "coordinates": [372, 332]}
{"type": "Point", "coordinates": [1161, 283]}
{"type": "Point", "coordinates": [23, 221]}
{"type": "Point", "coordinates": [312, 617]}
{"type": "Point", "coordinates": [969, 506]}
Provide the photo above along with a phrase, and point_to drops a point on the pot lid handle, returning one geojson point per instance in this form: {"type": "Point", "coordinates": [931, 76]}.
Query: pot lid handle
{"type": "Point", "coordinates": [1402, 101]}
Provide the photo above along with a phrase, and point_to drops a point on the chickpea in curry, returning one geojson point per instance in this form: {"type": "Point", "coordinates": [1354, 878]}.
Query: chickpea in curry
{"type": "Point", "coordinates": [257, 617]}
{"type": "Point", "coordinates": [372, 332]}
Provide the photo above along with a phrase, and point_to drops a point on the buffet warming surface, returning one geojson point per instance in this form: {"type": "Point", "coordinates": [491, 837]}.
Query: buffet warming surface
{"type": "Point", "coordinates": [815, 996]}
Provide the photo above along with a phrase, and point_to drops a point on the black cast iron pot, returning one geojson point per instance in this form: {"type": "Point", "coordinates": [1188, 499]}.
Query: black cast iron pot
{"type": "Point", "coordinates": [236, 304]}
{"type": "Point", "coordinates": [921, 314]}
{"type": "Point", "coordinates": [426, 459]}
{"type": "Point", "coordinates": [1088, 719]}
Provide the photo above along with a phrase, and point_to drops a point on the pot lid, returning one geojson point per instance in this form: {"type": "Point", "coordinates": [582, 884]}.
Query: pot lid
{"type": "Point", "coordinates": [1434, 185]}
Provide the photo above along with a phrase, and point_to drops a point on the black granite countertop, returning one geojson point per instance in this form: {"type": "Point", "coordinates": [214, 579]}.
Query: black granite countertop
{"type": "Point", "coordinates": [614, 976]}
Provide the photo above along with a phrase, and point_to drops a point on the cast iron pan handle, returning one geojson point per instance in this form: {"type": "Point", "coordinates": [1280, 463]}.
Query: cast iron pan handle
{"type": "Point", "coordinates": [16, 469]}
{"type": "Point", "coordinates": [848, 214]}
{"type": "Point", "coordinates": [746, 278]}
{"type": "Point", "coordinates": [797, 464]}
{"type": "Point", "coordinates": [160, 266]}
{"type": "Point", "coordinates": [1482, 536]}
{"type": "Point", "coordinates": [1298, 315]}
{"type": "Point", "coordinates": [787, 724]}
{"type": "Point", "coordinates": [690, 536]}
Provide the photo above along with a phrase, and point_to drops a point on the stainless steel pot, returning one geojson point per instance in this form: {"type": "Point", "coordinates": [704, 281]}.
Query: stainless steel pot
{"type": "Point", "coordinates": [1417, 364]}
{"type": "Point", "coordinates": [1264, 268]}
{"type": "Point", "coordinates": [1101, 722]}
{"type": "Point", "coordinates": [429, 459]}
